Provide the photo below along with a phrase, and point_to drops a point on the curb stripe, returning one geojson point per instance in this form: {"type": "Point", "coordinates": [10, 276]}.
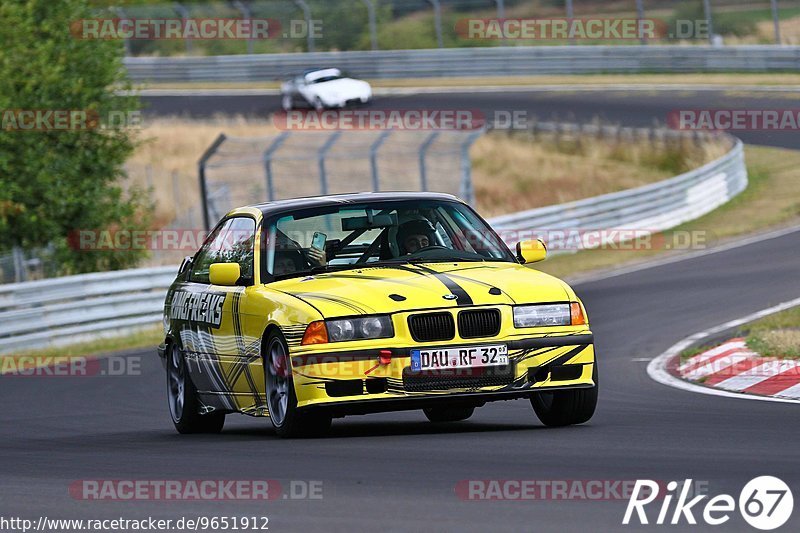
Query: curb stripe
{"type": "Point", "coordinates": [660, 368]}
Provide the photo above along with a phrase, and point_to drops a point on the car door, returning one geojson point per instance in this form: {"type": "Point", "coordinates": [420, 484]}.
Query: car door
{"type": "Point", "coordinates": [213, 339]}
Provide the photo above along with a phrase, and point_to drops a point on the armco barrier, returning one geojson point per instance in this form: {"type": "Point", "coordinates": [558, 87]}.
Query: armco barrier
{"type": "Point", "coordinates": [54, 311]}
{"type": "Point", "coordinates": [655, 207]}
{"type": "Point", "coordinates": [37, 313]}
{"type": "Point", "coordinates": [459, 62]}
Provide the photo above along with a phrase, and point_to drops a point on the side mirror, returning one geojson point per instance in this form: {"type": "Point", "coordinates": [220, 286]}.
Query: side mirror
{"type": "Point", "coordinates": [226, 274]}
{"type": "Point", "coordinates": [531, 251]}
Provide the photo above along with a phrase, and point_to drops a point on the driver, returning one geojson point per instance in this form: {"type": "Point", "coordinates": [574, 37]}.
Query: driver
{"type": "Point", "coordinates": [414, 235]}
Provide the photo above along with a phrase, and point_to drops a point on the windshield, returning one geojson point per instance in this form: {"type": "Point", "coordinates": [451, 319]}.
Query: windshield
{"type": "Point", "coordinates": [321, 76]}
{"type": "Point", "coordinates": [379, 233]}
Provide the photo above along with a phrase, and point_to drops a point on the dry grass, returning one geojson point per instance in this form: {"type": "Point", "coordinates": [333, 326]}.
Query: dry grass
{"type": "Point", "coordinates": [772, 199]}
{"type": "Point", "coordinates": [765, 33]}
{"type": "Point", "coordinates": [775, 336]}
{"type": "Point", "coordinates": [779, 343]}
{"type": "Point", "coordinates": [521, 171]}
{"type": "Point", "coordinates": [166, 159]}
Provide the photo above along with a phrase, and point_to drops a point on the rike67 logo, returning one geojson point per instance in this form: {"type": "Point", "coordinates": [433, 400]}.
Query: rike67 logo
{"type": "Point", "coordinates": [765, 503]}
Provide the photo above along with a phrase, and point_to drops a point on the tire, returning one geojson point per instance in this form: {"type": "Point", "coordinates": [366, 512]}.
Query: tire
{"type": "Point", "coordinates": [288, 420]}
{"type": "Point", "coordinates": [566, 407]}
{"type": "Point", "coordinates": [184, 405]}
{"type": "Point", "coordinates": [286, 102]}
{"type": "Point", "coordinates": [318, 105]}
{"type": "Point", "coordinates": [448, 414]}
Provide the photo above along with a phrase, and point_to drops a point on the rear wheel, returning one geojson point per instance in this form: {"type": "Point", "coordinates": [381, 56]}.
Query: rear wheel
{"type": "Point", "coordinates": [448, 414]}
{"type": "Point", "coordinates": [287, 419]}
{"type": "Point", "coordinates": [184, 405]}
{"type": "Point", "coordinates": [566, 407]}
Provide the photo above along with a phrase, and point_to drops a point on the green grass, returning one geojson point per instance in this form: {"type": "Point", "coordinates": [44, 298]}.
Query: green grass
{"type": "Point", "coordinates": [777, 335]}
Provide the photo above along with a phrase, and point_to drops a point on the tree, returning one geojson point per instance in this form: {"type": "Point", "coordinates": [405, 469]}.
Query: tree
{"type": "Point", "coordinates": [56, 181]}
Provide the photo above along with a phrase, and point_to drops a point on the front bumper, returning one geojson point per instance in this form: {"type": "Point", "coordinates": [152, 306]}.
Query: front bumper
{"type": "Point", "coordinates": [353, 381]}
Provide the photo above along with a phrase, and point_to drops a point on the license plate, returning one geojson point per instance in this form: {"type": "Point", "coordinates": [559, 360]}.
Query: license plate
{"type": "Point", "coordinates": [455, 357]}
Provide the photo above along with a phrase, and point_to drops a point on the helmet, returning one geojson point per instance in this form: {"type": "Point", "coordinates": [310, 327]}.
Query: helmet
{"type": "Point", "coordinates": [414, 227]}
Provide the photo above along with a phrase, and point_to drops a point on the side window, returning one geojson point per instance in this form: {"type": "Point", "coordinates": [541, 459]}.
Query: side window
{"type": "Point", "coordinates": [238, 246]}
{"type": "Point", "coordinates": [209, 253]}
{"type": "Point", "coordinates": [231, 243]}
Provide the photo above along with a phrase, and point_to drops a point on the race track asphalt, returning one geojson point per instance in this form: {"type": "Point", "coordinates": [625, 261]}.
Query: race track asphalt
{"type": "Point", "coordinates": [397, 472]}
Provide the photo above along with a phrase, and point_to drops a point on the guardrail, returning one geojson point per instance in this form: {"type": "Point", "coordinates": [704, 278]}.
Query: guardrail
{"type": "Point", "coordinates": [459, 62]}
{"type": "Point", "coordinates": [38, 313]}
{"type": "Point", "coordinates": [655, 207]}
{"type": "Point", "coordinates": [57, 311]}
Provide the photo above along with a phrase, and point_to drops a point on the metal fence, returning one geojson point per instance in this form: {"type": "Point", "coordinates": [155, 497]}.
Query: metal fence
{"type": "Point", "coordinates": [37, 313]}
{"type": "Point", "coordinates": [317, 25]}
{"type": "Point", "coordinates": [475, 62]}
{"type": "Point", "coordinates": [239, 171]}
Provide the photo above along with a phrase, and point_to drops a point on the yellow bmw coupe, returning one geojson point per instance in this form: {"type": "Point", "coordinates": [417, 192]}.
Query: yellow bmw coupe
{"type": "Point", "coordinates": [316, 308]}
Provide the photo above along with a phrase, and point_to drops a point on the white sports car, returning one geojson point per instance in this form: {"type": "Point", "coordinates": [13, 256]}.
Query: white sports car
{"type": "Point", "coordinates": [324, 89]}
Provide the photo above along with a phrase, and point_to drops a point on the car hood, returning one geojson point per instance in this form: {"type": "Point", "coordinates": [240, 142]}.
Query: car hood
{"type": "Point", "coordinates": [389, 289]}
{"type": "Point", "coordinates": [344, 87]}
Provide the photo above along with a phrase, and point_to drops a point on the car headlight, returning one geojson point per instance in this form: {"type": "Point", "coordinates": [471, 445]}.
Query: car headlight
{"type": "Point", "coordinates": [531, 316]}
{"type": "Point", "coordinates": [370, 327]}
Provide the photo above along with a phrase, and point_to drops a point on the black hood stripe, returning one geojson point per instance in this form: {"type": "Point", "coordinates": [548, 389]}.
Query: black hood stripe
{"type": "Point", "coordinates": [463, 297]}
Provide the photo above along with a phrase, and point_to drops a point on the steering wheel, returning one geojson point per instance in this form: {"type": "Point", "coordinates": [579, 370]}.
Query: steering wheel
{"type": "Point", "coordinates": [429, 248]}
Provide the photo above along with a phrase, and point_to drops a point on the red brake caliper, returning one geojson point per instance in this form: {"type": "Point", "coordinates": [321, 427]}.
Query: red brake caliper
{"type": "Point", "coordinates": [281, 365]}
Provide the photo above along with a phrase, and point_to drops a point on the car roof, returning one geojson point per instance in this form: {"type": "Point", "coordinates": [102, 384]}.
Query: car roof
{"type": "Point", "coordinates": [295, 204]}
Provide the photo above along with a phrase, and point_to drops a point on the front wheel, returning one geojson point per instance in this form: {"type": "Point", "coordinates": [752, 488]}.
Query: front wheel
{"type": "Point", "coordinates": [184, 405]}
{"type": "Point", "coordinates": [287, 419]}
{"type": "Point", "coordinates": [286, 102]}
{"type": "Point", "coordinates": [566, 407]}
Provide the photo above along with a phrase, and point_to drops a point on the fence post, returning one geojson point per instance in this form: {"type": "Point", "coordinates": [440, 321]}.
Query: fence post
{"type": "Point", "coordinates": [467, 191]}
{"type": "Point", "coordinates": [570, 16]}
{"type": "Point", "coordinates": [125, 41]}
{"type": "Point", "coordinates": [201, 165]}
{"type": "Point", "coordinates": [20, 272]}
{"type": "Point", "coordinates": [323, 176]}
{"type": "Point", "coordinates": [501, 9]}
{"type": "Point", "coordinates": [640, 18]}
{"type": "Point", "coordinates": [423, 150]}
{"type": "Point", "coordinates": [307, 15]}
{"type": "Point", "coordinates": [373, 23]}
{"type": "Point", "coordinates": [268, 153]}
{"type": "Point", "coordinates": [184, 13]}
{"type": "Point", "coordinates": [373, 158]}
{"type": "Point", "coordinates": [707, 11]}
{"type": "Point", "coordinates": [244, 9]}
{"type": "Point", "coordinates": [437, 21]}
{"type": "Point", "coordinates": [776, 21]}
